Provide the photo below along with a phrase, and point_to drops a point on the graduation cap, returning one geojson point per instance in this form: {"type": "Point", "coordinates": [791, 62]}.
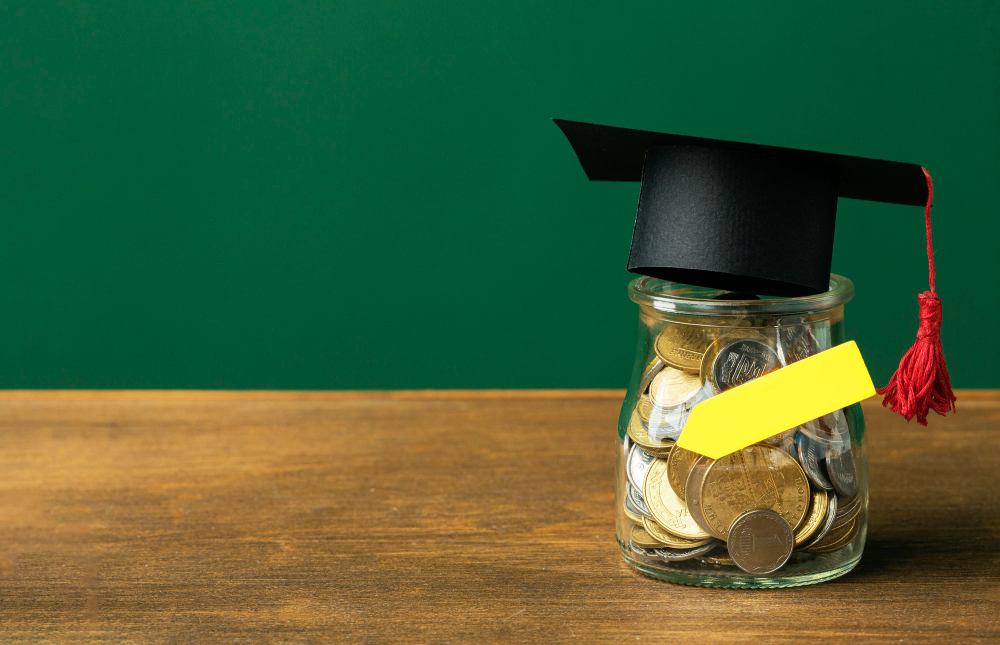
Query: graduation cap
{"type": "Point", "coordinates": [760, 219]}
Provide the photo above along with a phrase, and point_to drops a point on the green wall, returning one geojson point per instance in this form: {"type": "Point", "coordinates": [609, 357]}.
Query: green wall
{"type": "Point", "coordinates": [366, 194]}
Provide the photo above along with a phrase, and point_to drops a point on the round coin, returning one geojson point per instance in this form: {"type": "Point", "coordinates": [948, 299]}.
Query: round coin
{"type": "Point", "coordinates": [809, 458]}
{"type": "Point", "coordinates": [692, 492]}
{"type": "Point", "coordinates": [679, 466]}
{"type": "Point", "coordinates": [682, 346]}
{"type": "Point", "coordinates": [651, 370]}
{"type": "Point", "coordinates": [640, 434]}
{"type": "Point", "coordinates": [755, 477]}
{"type": "Point", "coordinates": [760, 541]}
{"type": "Point", "coordinates": [637, 501]}
{"type": "Point", "coordinates": [672, 387]}
{"type": "Point", "coordinates": [642, 539]}
{"type": "Point", "coordinates": [638, 463]}
{"type": "Point", "coordinates": [842, 469]}
{"type": "Point", "coordinates": [812, 522]}
{"type": "Point", "coordinates": [668, 538]}
{"type": "Point", "coordinates": [831, 514]}
{"type": "Point", "coordinates": [741, 361]}
{"type": "Point", "coordinates": [675, 555]}
{"type": "Point", "coordinates": [666, 507]}
{"type": "Point", "coordinates": [795, 343]}
{"type": "Point", "coordinates": [779, 439]}
{"type": "Point", "coordinates": [828, 429]}
{"type": "Point", "coordinates": [631, 513]}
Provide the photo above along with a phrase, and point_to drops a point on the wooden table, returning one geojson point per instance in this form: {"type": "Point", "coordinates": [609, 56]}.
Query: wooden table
{"type": "Point", "coordinates": [435, 516]}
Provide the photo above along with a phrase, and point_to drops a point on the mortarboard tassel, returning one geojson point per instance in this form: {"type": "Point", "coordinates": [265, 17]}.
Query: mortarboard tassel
{"type": "Point", "coordinates": [921, 383]}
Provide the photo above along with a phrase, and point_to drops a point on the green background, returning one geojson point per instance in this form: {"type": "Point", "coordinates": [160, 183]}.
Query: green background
{"type": "Point", "coordinates": [367, 194]}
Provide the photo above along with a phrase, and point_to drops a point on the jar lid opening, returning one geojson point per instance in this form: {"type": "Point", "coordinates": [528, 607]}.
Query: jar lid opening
{"type": "Point", "coordinates": [664, 295]}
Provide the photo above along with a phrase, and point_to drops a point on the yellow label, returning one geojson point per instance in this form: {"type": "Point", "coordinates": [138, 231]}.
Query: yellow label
{"type": "Point", "coordinates": [783, 399]}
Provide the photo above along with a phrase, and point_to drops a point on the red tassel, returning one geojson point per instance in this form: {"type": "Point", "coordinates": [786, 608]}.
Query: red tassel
{"type": "Point", "coordinates": [921, 383]}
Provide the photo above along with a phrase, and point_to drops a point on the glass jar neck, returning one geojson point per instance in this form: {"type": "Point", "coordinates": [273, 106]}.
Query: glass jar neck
{"type": "Point", "coordinates": [673, 297]}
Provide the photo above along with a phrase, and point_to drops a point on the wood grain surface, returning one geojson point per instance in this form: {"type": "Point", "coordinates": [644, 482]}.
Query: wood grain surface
{"type": "Point", "coordinates": [435, 517]}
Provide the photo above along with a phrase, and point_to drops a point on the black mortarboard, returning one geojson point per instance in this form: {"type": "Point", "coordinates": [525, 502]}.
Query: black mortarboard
{"type": "Point", "coordinates": [736, 216]}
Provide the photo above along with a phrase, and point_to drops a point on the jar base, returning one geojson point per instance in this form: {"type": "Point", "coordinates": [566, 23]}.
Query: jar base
{"type": "Point", "coordinates": [734, 582]}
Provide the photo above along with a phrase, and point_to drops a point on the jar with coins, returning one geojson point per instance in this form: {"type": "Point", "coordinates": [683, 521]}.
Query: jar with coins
{"type": "Point", "coordinates": [786, 511]}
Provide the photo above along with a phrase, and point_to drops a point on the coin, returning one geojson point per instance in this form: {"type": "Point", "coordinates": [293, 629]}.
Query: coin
{"type": "Point", "coordinates": [842, 469]}
{"type": "Point", "coordinates": [642, 539]}
{"type": "Point", "coordinates": [809, 459]}
{"type": "Point", "coordinates": [643, 408]}
{"type": "Point", "coordinates": [651, 370]}
{"type": "Point", "coordinates": [692, 492]}
{"type": "Point", "coordinates": [638, 502]}
{"type": "Point", "coordinates": [829, 428]}
{"type": "Point", "coordinates": [672, 387]}
{"type": "Point", "coordinates": [681, 345]}
{"type": "Point", "coordinates": [824, 529]}
{"type": "Point", "coordinates": [741, 361]}
{"type": "Point", "coordinates": [679, 466]}
{"type": "Point", "coordinates": [631, 513]}
{"type": "Point", "coordinates": [665, 507]}
{"type": "Point", "coordinates": [675, 555]}
{"type": "Point", "coordinates": [780, 438]}
{"type": "Point", "coordinates": [669, 539]}
{"type": "Point", "coordinates": [637, 464]}
{"type": "Point", "coordinates": [795, 343]}
{"type": "Point", "coordinates": [646, 553]}
{"type": "Point", "coordinates": [668, 423]}
{"type": "Point", "coordinates": [755, 477]}
{"type": "Point", "coordinates": [760, 541]}
{"type": "Point", "coordinates": [812, 522]}
{"type": "Point", "coordinates": [836, 541]}
{"type": "Point", "coordinates": [848, 510]}
{"type": "Point", "coordinates": [640, 435]}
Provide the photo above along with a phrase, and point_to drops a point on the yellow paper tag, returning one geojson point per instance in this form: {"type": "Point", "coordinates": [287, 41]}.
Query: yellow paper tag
{"type": "Point", "coordinates": [783, 399]}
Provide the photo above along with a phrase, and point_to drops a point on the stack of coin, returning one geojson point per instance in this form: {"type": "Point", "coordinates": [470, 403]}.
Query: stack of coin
{"type": "Point", "coordinates": [797, 490]}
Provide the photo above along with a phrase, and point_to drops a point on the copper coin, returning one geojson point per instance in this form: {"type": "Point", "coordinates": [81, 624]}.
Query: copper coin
{"type": "Point", "coordinates": [760, 541]}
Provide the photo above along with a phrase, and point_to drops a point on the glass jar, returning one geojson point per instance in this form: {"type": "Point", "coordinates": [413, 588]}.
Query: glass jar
{"type": "Point", "coordinates": [791, 510]}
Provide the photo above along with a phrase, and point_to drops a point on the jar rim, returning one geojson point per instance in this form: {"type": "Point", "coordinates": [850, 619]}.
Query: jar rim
{"type": "Point", "coordinates": [667, 296]}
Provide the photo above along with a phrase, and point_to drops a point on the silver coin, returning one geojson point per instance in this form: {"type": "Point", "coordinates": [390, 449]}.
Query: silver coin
{"type": "Point", "coordinates": [637, 465]}
{"type": "Point", "coordinates": [760, 541]}
{"type": "Point", "coordinates": [654, 369]}
{"type": "Point", "coordinates": [796, 343]}
{"type": "Point", "coordinates": [638, 503]}
{"type": "Point", "coordinates": [810, 456]}
{"type": "Point", "coordinates": [646, 553]}
{"type": "Point", "coordinates": [842, 469]}
{"type": "Point", "coordinates": [830, 429]}
{"type": "Point", "coordinates": [676, 555]}
{"type": "Point", "coordinates": [831, 515]}
{"type": "Point", "coordinates": [741, 361]}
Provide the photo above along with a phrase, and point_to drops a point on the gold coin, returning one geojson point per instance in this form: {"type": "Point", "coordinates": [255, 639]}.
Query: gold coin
{"type": "Point", "coordinates": [812, 521]}
{"type": "Point", "coordinates": [847, 511]}
{"type": "Point", "coordinates": [672, 387]}
{"type": "Point", "coordinates": [667, 509]}
{"type": "Point", "coordinates": [682, 345]}
{"type": "Point", "coordinates": [758, 477]}
{"type": "Point", "coordinates": [641, 538]}
{"type": "Point", "coordinates": [644, 408]}
{"type": "Point", "coordinates": [679, 466]}
{"type": "Point", "coordinates": [840, 540]}
{"type": "Point", "coordinates": [692, 491]}
{"type": "Point", "coordinates": [641, 436]}
{"type": "Point", "coordinates": [669, 538]}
